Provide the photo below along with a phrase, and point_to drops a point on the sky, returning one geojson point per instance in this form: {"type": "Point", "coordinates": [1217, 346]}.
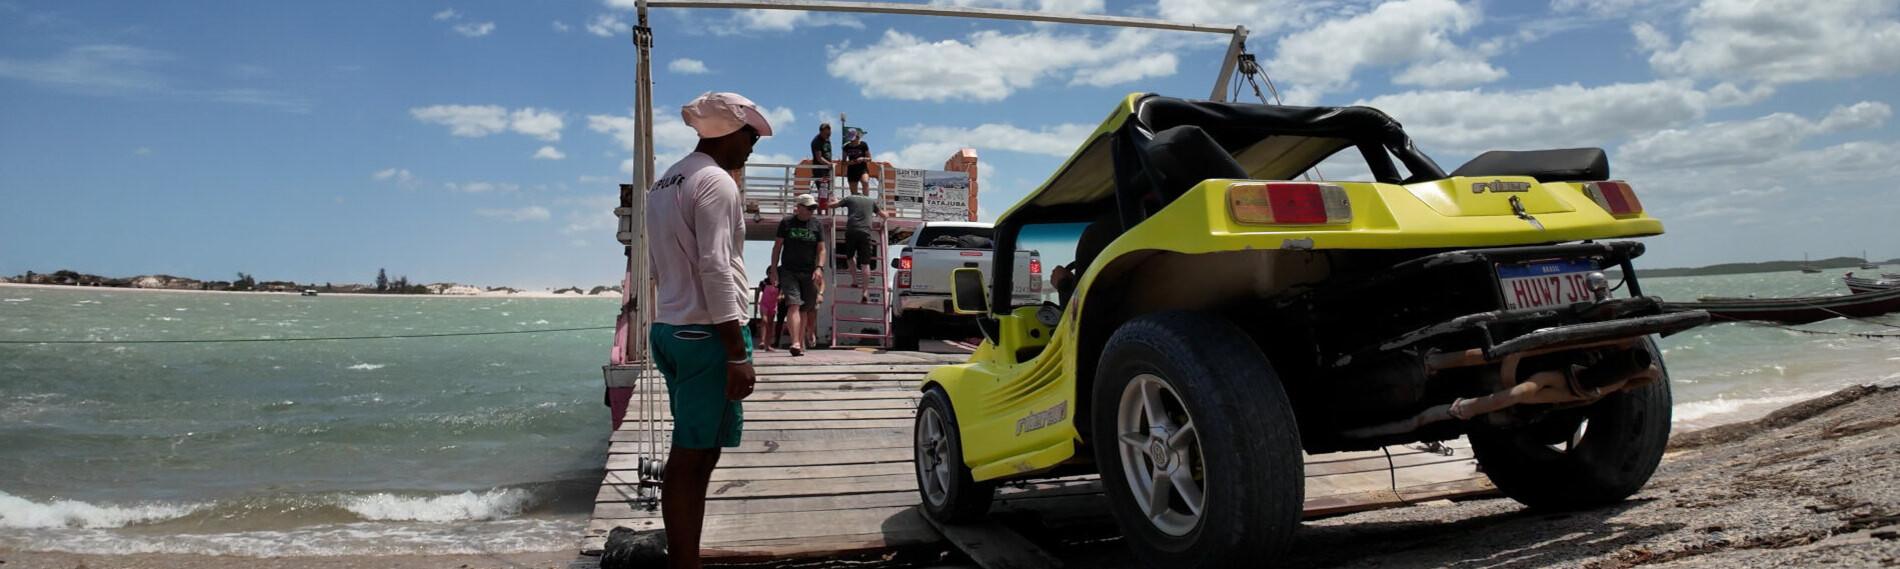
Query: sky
{"type": "Point", "coordinates": [481, 142]}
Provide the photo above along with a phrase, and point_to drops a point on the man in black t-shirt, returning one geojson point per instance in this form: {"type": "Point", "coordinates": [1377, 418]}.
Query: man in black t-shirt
{"type": "Point", "coordinates": [821, 166]}
{"type": "Point", "coordinates": [860, 250]}
{"type": "Point", "coordinates": [795, 254]}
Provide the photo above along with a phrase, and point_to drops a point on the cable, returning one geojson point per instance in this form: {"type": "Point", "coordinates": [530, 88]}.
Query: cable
{"type": "Point", "coordinates": [1804, 330]}
{"type": "Point", "coordinates": [326, 338]}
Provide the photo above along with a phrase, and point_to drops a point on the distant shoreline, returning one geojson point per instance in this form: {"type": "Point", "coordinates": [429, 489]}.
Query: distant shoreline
{"type": "Point", "coordinates": [1763, 267]}
{"type": "Point", "coordinates": [485, 294]}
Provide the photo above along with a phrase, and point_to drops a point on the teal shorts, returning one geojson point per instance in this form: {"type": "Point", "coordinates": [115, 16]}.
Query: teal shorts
{"type": "Point", "coordinates": [694, 363]}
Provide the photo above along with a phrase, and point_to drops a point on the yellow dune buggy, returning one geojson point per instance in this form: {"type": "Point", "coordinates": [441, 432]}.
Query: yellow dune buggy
{"type": "Point", "coordinates": [1226, 312]}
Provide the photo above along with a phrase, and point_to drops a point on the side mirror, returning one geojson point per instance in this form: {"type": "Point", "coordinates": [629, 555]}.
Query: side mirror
{"type": "Point", "coordinates": [966, 292]}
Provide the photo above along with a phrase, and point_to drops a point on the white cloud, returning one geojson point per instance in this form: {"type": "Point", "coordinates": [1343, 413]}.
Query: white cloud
{"type": "Point", "coordinates": [672, 139]}
{"type": "Point", "coordinates": [1559, 116]}
{"type": "Point", "coordinates": [561, 27]}
{"type": "Point", "coordinates": [131, 72]}
{"type": "Point", "coordinates": [549, 153]}
{"type": "Point", "coordinates": [990, 65]}
{"type": "Point", "coordinates": [474, 29]}
{"type": "Point", "coordinates": [688, 66]}
{"type": "Point", "coordinates": [475, 121]}
{"type": "Point", "coordinates": [783, 21]}
{"type": "Point", "coordinates": [1051, 6]}
{"type": "Point", "coordinates": [929, 146]}
{"type": "Point", "coordinates": [1745, 142]}
{"type": "Point", "coordinates": [482, 187]}
{"type": "Point", "coordinates": [1782, 41]}
{"type": "Point", "coordinates": [780, 117]}
{"type": "Point", "coordinates": [447, 14]}
{"type": "Point", "coordinates": [539, 123]}
{"type": "Point", "coordinates": [397, 174]}
{"type": "Point", "coordinates": [606, 25]}
{"type": "Point", "coordinates": [1416, 33]}
{"type": "Point", "coordinates": [142, 151]}
{"type": "Point", "coordinates": [530, 213]}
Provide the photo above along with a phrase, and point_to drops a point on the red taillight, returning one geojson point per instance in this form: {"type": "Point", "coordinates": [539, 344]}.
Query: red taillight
{"type": "Point", "coordinates": [903, 263]}
{"type": "Point", "coordinates": [1035, 266]}
{"type": "Point", "coordinates": [1289, 203]}
{"type": "Point", "coordinates": [903, 277]}
{"type": "Point", "coordinates": [1615, 197]}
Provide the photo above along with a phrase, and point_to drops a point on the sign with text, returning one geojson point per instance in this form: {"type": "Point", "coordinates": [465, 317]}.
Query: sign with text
{"type": "Point", "coordinates": [946, 196]}
{"type": "Point", "coordinates": [909, 188]}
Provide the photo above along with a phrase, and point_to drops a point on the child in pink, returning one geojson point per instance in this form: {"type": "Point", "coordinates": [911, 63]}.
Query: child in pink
{"type": "Point", "coordinates": [767, 302]}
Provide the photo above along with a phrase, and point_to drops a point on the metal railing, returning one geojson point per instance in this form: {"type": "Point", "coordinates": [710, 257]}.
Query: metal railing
{"type": "Point", "coordinates": [769, 189]}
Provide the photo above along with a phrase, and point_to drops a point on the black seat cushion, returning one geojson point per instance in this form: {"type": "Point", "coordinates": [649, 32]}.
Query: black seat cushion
{"type": "Point", "coordinates": [1178, 158]}
{"type": "Point", "coordinates": [1560, 165]}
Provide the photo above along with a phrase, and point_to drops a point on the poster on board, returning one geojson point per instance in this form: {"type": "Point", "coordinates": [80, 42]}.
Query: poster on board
{"type": "Point", "coordinates": [909, 188]}
{"type": "Point", "coordinates": [946, 196]}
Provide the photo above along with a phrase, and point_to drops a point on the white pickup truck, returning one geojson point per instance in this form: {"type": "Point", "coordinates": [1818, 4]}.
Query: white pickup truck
{"type": "Point", "coordinates": [921, 287]}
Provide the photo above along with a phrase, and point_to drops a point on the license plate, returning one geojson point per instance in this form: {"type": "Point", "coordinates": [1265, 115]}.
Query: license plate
{"type": "Point", "coordinates": [1551, 283]}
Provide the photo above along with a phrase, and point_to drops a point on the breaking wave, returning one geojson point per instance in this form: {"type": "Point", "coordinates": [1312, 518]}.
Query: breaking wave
{"type": "Point", "coordinates": [17, 512]}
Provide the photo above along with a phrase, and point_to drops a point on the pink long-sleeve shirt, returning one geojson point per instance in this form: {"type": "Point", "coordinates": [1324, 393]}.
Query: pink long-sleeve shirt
{"type": "Point", "coordinates": [695, 242]}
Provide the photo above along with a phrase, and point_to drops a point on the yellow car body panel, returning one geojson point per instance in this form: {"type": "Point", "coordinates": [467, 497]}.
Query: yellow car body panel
{"type": "Point", "coordinates": [1018, 418]}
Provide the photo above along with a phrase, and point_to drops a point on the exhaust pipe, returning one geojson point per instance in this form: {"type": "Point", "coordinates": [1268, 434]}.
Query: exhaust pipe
{"type": "Point", "coordinates": [1621, 370]}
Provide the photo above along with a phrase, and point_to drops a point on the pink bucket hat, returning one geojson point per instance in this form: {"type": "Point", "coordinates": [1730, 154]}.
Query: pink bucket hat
{"type": "Point", "coordinates": [714, 115]}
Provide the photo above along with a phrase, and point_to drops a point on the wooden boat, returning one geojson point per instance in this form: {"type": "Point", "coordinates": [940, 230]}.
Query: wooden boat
{"type": "Point", "coordinates": [1890, 276]}
{"type": "Point", "coordinates": [1801, 310]}
{"type": "Point", "coordinates": [1858, 285]}
{"type": "Point", "coordinates": [1866, 262]}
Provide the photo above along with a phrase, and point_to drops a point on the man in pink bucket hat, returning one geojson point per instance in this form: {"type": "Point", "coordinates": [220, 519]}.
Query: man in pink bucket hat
{"type": "Point", "coordinates": [696, 237]}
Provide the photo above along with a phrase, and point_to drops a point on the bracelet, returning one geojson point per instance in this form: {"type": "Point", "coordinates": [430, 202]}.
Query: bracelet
{"type": "Point", "coordinates": [739, 361]}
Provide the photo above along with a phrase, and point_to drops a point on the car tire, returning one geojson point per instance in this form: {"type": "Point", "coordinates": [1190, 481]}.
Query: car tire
{"type": "Point", "coordinates": [1598, 456]}
{"type": "Point", "coordinates": [1203, 371]}
{"type": "Point", "coordinates": [949, 494]}
{"type": "Point", "coordinates": [903, 334]}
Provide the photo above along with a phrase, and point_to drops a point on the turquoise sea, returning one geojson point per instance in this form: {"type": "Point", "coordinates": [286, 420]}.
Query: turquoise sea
{"type": "Point", "coordinates": [479, 444]}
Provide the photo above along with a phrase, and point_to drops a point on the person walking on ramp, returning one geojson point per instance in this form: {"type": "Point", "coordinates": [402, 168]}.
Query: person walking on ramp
{"type": "Point", "coordinates": [696, 237]}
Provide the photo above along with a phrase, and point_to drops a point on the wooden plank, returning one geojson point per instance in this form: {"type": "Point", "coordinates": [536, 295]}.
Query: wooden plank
{"type": "Point", "coordinates": [738, 489]}
{"type": "Point", "coordinates": [809, 425]}
{"type": "Point", "coordinates": [619, 462]}
{"type": "Point", "coordinates": [804, 547]}
{"type": "Point", "coordinates": [623, 510]}
{"type": "Point", "coordinates": [774, 369]}
{"type": "Point", "coordinates": [768, 446]}
{"type": "Point", "coordinates": [883, 401]}
{"type": "Point", "coordinates": [993, 545]}
{"type": "Point", "coordinates": [725, 528]}
{"type": "Point", "coordinates": [831, 387]}
{"type": "Point", "coordinates": [815, 395]}
{"type": "Point", "coordinates": [762, 436]}
{"type": "Point", "coordinates": [861, 376]}
{"type": "Point", "coordinates": [753, 415]}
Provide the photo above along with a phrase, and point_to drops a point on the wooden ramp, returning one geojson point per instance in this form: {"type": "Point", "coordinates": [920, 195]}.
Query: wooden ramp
{"type": "Point", "coordinates": [825, 468]}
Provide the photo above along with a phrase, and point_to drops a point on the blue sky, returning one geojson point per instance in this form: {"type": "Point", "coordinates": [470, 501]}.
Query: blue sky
{"type": "Point", "coordinates": [481, 142]}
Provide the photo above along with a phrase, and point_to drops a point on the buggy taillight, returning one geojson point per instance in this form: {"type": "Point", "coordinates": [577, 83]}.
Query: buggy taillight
{"type": "Point", "coordinates": [1615, 197]}
{"type": "Point", "coordinates": [1289, 203]}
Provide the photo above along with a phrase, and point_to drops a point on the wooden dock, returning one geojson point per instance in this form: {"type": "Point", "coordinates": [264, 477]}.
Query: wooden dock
{"type": "Point", "coordinates": [825, 468]}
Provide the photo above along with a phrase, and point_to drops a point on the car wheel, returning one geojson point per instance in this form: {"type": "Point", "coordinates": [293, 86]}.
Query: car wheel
{"type": "Point", "coordinates": [1596, 456]}
{"type": "Point", "coordinates": [903, 334]}
{"type": "Point", "coordinates": [1197, 444]}
{"type": "Point", "coordinates": [949, 494]}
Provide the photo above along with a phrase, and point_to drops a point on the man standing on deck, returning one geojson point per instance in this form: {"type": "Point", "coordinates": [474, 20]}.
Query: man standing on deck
{"type": "Point", "coordinates": [800, 244]}
{"type": "Point", "coordinates": [695, 238]}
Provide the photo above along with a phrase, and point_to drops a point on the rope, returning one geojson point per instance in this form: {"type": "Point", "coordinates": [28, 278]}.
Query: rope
{"type": "Point", "coordinates": [325, 338]}
{"type": "Point", "coordinates": [1808, 331]}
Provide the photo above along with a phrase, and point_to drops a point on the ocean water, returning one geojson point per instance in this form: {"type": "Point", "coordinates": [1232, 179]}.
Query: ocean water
{"type": "Point", "coordinates": [482, 444]}
{"type": "Point", "coordinates": [461, 444]}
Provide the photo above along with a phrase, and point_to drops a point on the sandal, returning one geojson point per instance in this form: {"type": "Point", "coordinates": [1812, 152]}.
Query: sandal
{"type": "Point", "coordinates": [797, 351]}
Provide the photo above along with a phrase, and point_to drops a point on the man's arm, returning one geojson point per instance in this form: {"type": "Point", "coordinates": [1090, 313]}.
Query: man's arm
{"type": "Point", "coordinates": [714, 224]}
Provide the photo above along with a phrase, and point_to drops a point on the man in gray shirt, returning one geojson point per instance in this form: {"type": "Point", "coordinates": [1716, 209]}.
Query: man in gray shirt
{"type": "Point", "coordinates": [859, 249]}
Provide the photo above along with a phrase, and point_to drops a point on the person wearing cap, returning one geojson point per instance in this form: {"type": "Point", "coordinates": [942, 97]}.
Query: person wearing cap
{"type": "Point", "coordinates": [821, 166]}
{"type": "Point", "coordinates": [795, 254]}
{"type": "Point", "coordinates": [695, 239]}
{"type": "Point", "coordinates": [857, 160]}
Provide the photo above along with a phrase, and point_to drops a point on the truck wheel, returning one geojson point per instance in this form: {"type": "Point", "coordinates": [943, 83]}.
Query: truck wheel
{"type": "Point", "coordinates": [950, 495]}
{"type": "Point", "coordinates": [1197, 444]}
{"type": "Point", "coordinates": [903, 334]}
{"type": "Point", "coordinates": [1602, 454]}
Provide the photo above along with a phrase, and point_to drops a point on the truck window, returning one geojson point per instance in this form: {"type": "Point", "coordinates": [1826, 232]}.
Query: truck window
{"type": "Point", "coordinates": [939, 237]}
